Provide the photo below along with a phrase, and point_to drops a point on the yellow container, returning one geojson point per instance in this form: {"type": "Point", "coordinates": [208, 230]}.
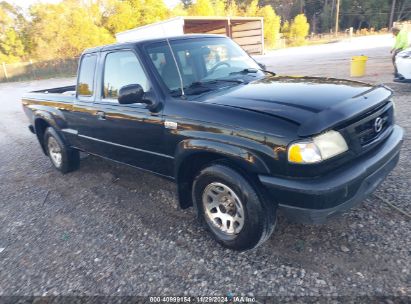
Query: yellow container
{"type": "Point", "coordinates": [358, 64]}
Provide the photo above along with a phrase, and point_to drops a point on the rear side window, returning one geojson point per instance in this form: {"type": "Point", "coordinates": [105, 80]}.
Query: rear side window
{"type": "Point", "coordinates": [122, 68]}
{"type": "Point", "coordinates": [86, 76]}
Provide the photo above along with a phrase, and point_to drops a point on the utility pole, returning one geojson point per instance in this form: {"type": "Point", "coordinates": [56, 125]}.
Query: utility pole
{"type": "Point", "coordinates": [392, 13]}
{"type": "Point", "coordinates": [337, 17]}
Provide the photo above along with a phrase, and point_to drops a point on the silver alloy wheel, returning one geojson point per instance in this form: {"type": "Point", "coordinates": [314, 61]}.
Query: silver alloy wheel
{"type": "Point", "coordinates": [54, 151]}
{"type": "Point", "coordinates": [223, 208]}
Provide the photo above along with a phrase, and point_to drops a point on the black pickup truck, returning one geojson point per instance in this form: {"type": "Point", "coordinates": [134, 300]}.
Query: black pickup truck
{"type": "Point", "coordinates": [239, 141]}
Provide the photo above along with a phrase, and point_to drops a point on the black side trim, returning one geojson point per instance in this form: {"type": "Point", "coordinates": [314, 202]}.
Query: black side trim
{"type": "Point", "coordinates": [127, 147]}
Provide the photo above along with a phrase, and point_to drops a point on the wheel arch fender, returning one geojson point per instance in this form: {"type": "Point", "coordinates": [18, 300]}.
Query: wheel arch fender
{"type": "Point", "coordinates": [192, 155]}
{"type": "Point", "coordinates": [42, 120]}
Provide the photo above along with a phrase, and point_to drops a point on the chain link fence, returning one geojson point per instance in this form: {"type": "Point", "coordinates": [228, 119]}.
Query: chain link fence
{"type": "Point", "coordinates": [34, 70]}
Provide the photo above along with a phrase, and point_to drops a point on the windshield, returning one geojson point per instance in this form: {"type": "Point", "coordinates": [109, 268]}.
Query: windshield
{"type": "Point", "coordinates": [202, 61]}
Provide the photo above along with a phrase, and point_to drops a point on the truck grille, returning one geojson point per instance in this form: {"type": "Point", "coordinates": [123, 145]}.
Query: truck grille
{"type": "Point", "coordinates": [370, 129]}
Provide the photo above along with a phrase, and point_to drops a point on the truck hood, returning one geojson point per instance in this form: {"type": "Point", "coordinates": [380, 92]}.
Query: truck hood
{"type": "Point", "coordinates": [313, 103]}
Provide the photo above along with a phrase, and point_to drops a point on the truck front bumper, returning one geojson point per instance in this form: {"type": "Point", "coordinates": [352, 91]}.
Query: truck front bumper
{"type": "Point", "coordinates": [315, 200]}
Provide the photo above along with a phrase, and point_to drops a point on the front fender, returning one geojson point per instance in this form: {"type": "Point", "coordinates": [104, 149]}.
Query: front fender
{"type": "Point", "coordinates": [192, 155]}
{"type": "Point", "coordinates": [245, 158]}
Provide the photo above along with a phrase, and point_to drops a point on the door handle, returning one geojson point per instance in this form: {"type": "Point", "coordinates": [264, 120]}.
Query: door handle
{"type": "Point", "coordinates": [101, 115]}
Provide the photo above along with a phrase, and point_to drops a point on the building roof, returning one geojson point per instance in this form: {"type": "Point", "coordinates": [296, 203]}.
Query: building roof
{"type": "Point", "coordinates": [131, 44]}
{"type": "Point", "coordinates": [193, 18]}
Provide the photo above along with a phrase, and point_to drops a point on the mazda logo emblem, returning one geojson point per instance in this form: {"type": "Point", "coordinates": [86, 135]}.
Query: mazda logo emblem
{"type": "Point", "coordinates": [378, 124]}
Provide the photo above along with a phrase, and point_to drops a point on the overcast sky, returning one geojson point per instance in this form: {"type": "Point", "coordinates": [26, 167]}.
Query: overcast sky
{"type": "Point", "coordinates": [26, 3]}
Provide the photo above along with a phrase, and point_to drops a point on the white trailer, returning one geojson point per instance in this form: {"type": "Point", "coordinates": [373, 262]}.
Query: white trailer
{"type": "Point", "coordinates": [403, 61]}
{"type": "Point", "coordinates": [248, 32]}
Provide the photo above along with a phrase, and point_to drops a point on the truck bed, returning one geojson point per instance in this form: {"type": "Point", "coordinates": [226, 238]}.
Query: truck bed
{"type": "Point", "coordinates": [66, 94]}
{"type": "Point", "coordinates": [67, 90]}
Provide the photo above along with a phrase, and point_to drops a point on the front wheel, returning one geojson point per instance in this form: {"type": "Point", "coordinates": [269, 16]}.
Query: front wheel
{"type": "Point", "coordinates": [237, 215]}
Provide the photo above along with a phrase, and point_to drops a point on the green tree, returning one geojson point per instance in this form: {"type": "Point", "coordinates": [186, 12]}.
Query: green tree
{"type": "Point", "coordinates": [326, 19]}
{"type": "Point", "coordinates": [402, 10]}
{"type": "Point", "coordinates": [219, 7]}
{"type": "Point", "coordinates": [119, 16]}
{"type": "Point", "coordinates": [299, 29]}
{"type": "Point", "coordinates": [64, 30]}
{"type": "Point", "coordinates": [251, 9]}
{"type": "Point", "coordinates": [12, 47]}
{"type": "Point", "coordinates": [285, 30]}
{"type": "Point", "coordinates": [202, 8]}
{"type": "Point", "coordinates": [178, 10]}
{"type": "Point", "coordinates": [152, 11]}
{"type": "Point", "coordinates": [287, 9]}
{"type": "Point", "coordinates": [232, 8]}
{"type": "Point", "coordinates": [365, 13]}
{"type": "Point", "coordinates": [272, 24]}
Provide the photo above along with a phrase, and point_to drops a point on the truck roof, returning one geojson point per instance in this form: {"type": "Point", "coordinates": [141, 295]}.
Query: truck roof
{"type": "Point", "coordinates": [143, 41]}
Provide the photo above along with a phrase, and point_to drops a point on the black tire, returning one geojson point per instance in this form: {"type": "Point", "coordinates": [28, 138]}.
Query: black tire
{"type": "Point", "coordinates": [259, 214]}
{"type": "Point", "coordinates": [70, 158]}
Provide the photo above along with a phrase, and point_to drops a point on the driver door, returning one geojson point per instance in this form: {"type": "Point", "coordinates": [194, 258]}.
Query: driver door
{"type": "Point", "coordinates": [131, 133]}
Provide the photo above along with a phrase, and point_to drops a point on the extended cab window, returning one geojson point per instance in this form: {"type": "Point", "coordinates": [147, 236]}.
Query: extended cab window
{"type": "Point", "coordinates": [86, 75]}
{"type": "Point", "coordinates": [122, 68]}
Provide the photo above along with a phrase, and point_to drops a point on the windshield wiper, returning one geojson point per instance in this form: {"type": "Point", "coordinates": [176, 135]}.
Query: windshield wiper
{"type": "Point", "coordinates": [251, 71]}
{"type": "Point", "coordinates": [176, 92]}
{"type": "Point", "coordinates": [199, 87]}
{"type": "Point", "coordinates": [213, 81]}
{"type": "Point", "coordinates": [195, 88]}
{"type": "Point", "coordinates": [245, 71]}
{"type": "Point", "coordinates": [269, 72]}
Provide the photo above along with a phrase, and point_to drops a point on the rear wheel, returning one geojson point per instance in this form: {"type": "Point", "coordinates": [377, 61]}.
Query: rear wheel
{"type": "Point", "coordinates": [232, 209]}
{"type": "Point", "coordinates": [63, 158]}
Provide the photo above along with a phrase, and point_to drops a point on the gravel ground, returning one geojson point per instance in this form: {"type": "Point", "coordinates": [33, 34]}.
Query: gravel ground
{"type": "Point", "coordinates": [108, 229]}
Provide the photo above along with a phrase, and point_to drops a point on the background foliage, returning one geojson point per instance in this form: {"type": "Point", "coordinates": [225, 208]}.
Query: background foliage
{"type": "Point", "coordinates": [65, 29]}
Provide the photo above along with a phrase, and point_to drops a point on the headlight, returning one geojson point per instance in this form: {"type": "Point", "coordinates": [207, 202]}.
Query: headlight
{"type": "Point", "coordinates": [317, 149]}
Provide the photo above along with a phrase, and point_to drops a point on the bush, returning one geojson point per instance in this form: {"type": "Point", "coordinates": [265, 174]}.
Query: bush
{"type": "Point", "coordinates": [271, 25]}
{"type": "Point", "coordinates": [285, 30]}
{"type": "Point", "coordinates": [299, 29]}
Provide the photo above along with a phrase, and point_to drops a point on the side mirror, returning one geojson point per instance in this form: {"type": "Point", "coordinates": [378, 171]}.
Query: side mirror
{"type": "Point", "coordinates": [262, 65]}
{"type": "Point", "coordinates": [131, 93]}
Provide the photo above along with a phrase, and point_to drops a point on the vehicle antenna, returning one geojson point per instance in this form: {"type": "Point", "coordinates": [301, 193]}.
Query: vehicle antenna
{"type": "Point", "coordinates": [175, 62]}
